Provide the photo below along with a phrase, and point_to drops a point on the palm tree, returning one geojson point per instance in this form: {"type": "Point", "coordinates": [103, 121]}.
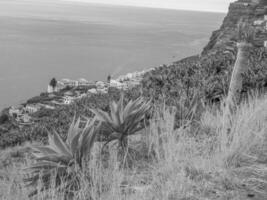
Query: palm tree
{"type": "Point", "coordinates": [53, 83]}
{"type": "Point", "coordinates": [62, 160]}
{"type": "Point", "coordinates": [123, 121]}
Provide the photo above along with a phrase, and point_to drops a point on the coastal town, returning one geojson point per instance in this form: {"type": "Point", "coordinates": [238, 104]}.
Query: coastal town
{"type": "Point", "coordinates": [66, 91]}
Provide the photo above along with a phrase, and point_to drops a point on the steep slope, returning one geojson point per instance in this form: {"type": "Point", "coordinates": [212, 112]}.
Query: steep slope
{"type": "Point", "coordinates": [213, 67]}
{"type": "Point", "coordinates": [181, 84]}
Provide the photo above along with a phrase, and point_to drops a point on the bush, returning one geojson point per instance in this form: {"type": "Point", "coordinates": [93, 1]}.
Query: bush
{"type": "Point", "coordinates": [4, 118]}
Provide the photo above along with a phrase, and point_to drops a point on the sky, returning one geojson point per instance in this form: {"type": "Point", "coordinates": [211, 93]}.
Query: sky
{"type": "Point", "coordinates": [200, 5]}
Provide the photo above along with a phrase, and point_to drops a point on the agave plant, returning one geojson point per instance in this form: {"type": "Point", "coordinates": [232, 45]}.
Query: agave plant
{"type": "Point", "coordinates": [62, 161]}
{"type": "Point", "coordinates": [123, 121]}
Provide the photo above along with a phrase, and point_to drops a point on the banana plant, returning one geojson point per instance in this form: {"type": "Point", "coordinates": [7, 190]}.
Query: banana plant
{"type": "Point", "coordinates": [123, 121]}
{"type": "Point", "coordinates": [61, 161]}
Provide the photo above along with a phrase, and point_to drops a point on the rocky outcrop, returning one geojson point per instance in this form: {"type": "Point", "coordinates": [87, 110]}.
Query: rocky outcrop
{"type": "Point", "coordinates": [248, 11]}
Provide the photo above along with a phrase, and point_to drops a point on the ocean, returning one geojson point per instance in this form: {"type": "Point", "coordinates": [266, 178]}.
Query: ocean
{"type": "Point", "coordinates": [40, 40]}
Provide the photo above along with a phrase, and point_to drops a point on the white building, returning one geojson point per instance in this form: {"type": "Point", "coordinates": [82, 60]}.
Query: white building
{"type": "Point", "coordinates": [47, 106]}
{"type": "Point", "coordinates": [93, 91]}
{"type": "Point", "coordinates": [115, 83]}
{"type": "Point", "coordinates": [81, 96]}
{"type": "Point", "coordinates": [129, 75]}
{"type": "Point", "coordinates": [60, 86]}
{"type": "Point", "coordinates": [32, 108]}
{"type": "Point", "coordinates": [83, 82]}
{"type": "Point", "coordinates": [100, 84]}
{"type": "Point", "coordinates": [102, 90]}
{"type": "Point", "coordinates": [258, 22]}
{"type": "Point", "coordinates": [255, 1]}
{"type": "Point", "coordinates": [265, 44]}
{"type": "Point", "coordinates": [71, 83]}
{"type": "Point", "coordinates": [50, 89]}
{"type": "Point", "coordinates": [68, 93]}
{"type": "Point", "coordinates": [15, 111]}
{"type": "Point", "coordinates": [25, 118]}
{"type": "Point", "coordinates": [68, 100]}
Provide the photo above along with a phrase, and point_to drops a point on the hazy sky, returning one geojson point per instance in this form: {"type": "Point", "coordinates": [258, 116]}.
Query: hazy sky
{"type": "Point", "coordinates": [202, 5]}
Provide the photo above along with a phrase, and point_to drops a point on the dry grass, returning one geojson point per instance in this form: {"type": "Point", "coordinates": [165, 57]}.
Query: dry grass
{"type": "Point", "coordinates": [167, 164]}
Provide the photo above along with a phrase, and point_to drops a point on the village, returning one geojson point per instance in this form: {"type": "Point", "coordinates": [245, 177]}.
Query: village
{"type": "Point", "coordinates": [66, 91]}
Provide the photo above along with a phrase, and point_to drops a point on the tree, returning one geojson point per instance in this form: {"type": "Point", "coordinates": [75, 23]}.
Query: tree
{"type": "Point", "coordinates": [108, 78]}
{"type": "Point", "coordinates": [53, 83]}
{"type": "Point", "coordinates": [3, 118]}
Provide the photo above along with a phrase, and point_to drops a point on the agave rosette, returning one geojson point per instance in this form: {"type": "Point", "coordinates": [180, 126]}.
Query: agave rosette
{"type": "Point", "coordinates": [62, 160]}
{"type": "Point", "coordinates": [123, 121]}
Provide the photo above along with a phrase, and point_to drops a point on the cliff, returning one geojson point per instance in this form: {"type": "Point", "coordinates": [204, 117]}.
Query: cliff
{"type": "Point", "coordinates": [215, 63]}
{"type": "Point", "coordinates": [221, 49]}
{"type": "Point", "coordinates": [245, 10]}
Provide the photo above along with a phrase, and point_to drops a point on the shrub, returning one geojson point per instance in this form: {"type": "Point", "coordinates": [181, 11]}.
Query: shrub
{"type": "Point", "coordinates": [62, 160]}
{"type": "Point", "coordinates": [123, 121]}
{"type": "Point", "coordinates": [4, 118]}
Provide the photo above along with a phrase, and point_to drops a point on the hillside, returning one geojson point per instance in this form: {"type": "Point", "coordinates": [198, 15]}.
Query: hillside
{"type": "Point", "coordinates": [209, 73]}
{"type": "Point", "coordinates": [203, 78]}
{"type": "Point", "coordinates": [178, 141]}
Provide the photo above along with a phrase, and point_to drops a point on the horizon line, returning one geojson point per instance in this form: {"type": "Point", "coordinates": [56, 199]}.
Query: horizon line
{"type": "Point", "coordinates": [137, 6]}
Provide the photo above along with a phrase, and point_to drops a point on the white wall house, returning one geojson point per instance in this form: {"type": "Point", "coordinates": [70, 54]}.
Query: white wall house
{"type": "Point", "coordinates": [71, 83]}
{"type": "Point", "coordinates": [84, 82]}
{"type": "Point", "coordinates": [115, 83]}
{"type": "Point", "coordinates": [24, 118]}
{"type": "Point", "coordinates": [82, 96]}
{"type": "Point", "coordinates": [15, 111]}
{"type": "Point", "coordinates": [50, 89]}
{"type": "Point", "coordinates": [68, 100]}
{"type": "Point", "coordinates": [102, 90]}
{"type": "Point", "coordinates": [47, 106]}
{"type": "Point", "coordinates": [93, 91]}
{"type": "Point", "coordinates": [258, 22]}
{"type": "Point", "coordinates": [32, 108]}
{"type": "Point", "coordinates": [100, 84]}
{"type": "Point", "coordinates": [255, 1]}
{"type": "Point", "coordinates": [60, 86]}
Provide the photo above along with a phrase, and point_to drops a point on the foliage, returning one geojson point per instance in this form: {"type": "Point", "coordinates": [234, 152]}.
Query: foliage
{"type": "Point", "coordinates": [64, 160]}
{"type": "Point", "coordinates": [170, 164]}
{"type": "Point", "coordinates": [123, 121]}
{"type": "Point", "coordinates": [245, 33]}
{"type": "Point", "coordinates": [53, 82]}
{"type": "Point", "coordinates": [42, 99]}
{"type": "Point", "coordinates": [4, 118]}
{"type": "Point", "coordinates": [173, 82]}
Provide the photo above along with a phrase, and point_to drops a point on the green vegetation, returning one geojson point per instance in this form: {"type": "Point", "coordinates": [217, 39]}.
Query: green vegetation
{"type": "Point", "coordinates": [123, 121]}
{"type": "Point", "coordinates": [241, 67]}
{"type": "Point", "coordinates": [183, 140]}
{"type": "Point", "coordinates": [171, 164]}
{"type": "Point", "coordinates": [62, 161]}
{"type": "Point", "coordinates": [53, 83]}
